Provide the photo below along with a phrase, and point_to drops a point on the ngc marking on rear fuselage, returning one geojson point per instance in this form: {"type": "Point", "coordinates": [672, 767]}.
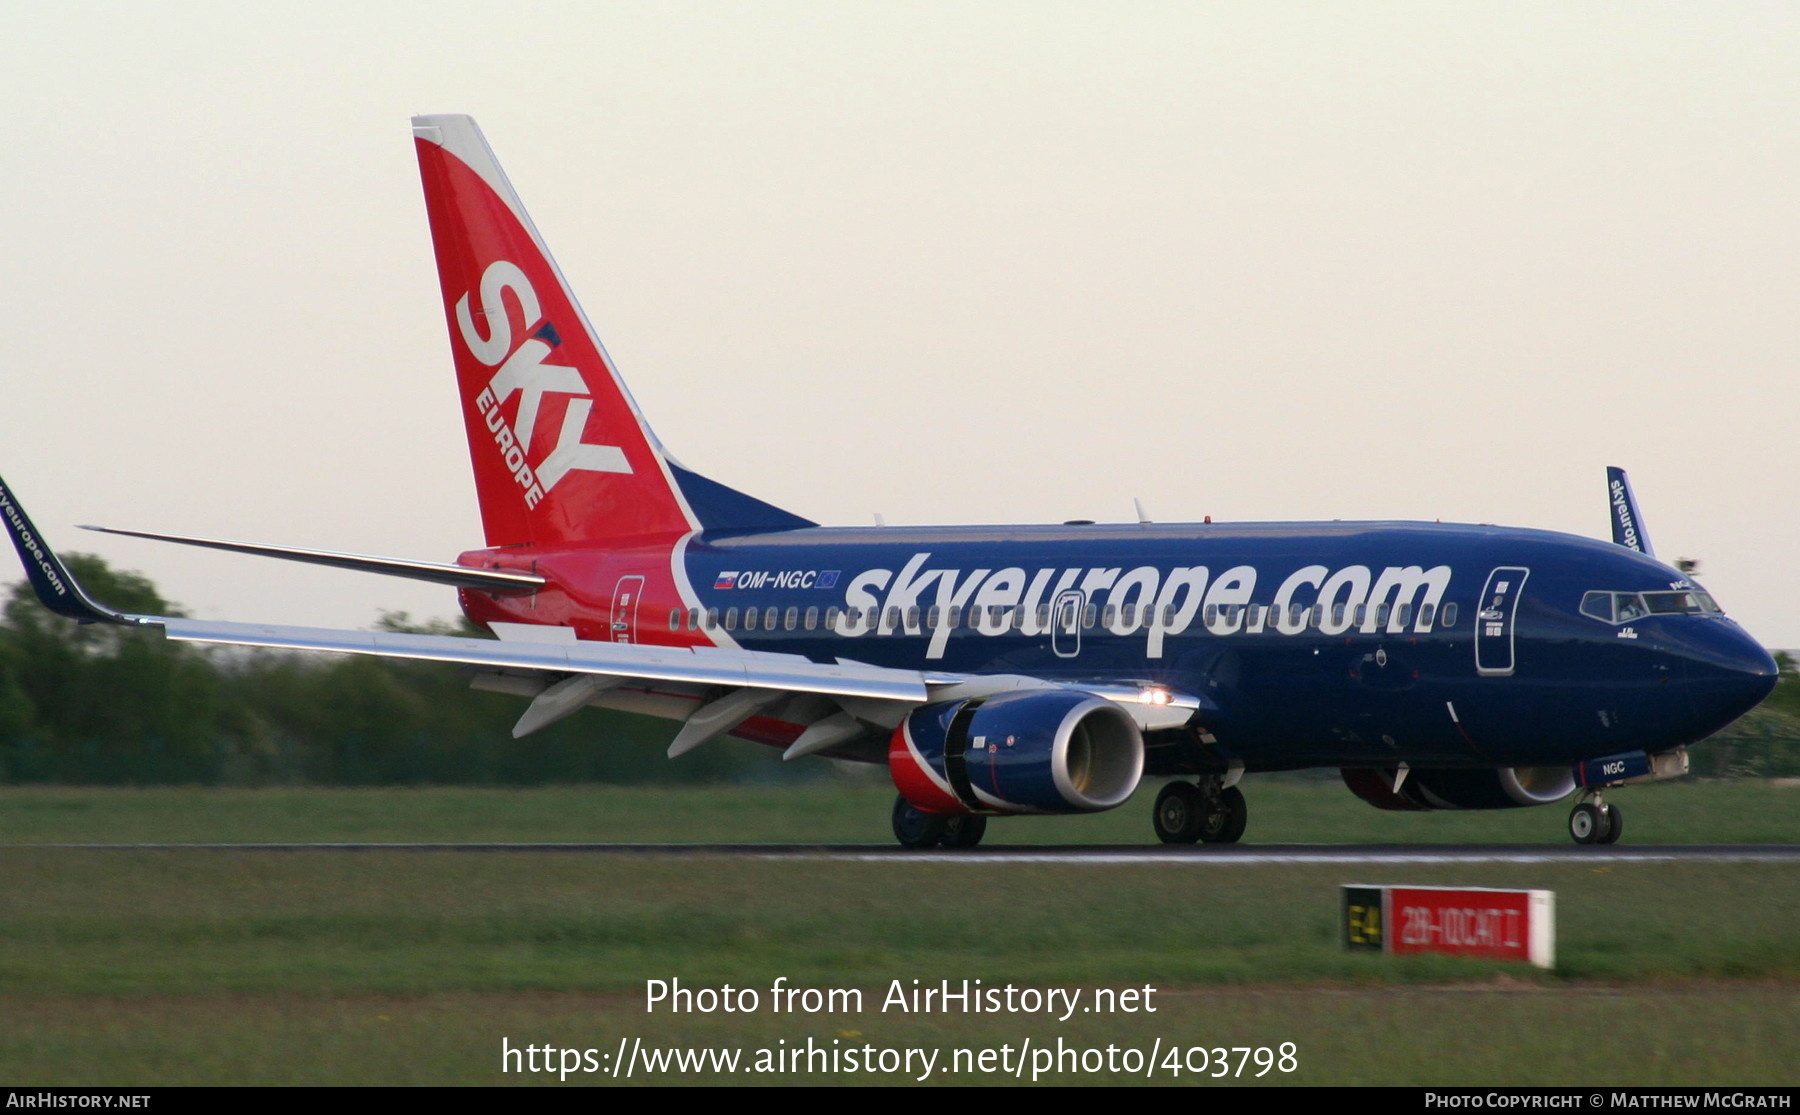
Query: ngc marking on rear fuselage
{"type": "Point", "coordinates": [780, 579]}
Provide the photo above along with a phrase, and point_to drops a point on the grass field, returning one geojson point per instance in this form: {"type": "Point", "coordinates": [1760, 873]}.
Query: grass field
{"type": "Point", "coordinates": [383, 967]}
{"type": "Point", "coordinates": [1282, 811]}
{"type": "Point", "coordinates": [1732, 1036]}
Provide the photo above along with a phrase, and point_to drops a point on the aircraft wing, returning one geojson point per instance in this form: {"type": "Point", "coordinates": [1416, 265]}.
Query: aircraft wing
{"type": "Point", "coordinates": [706, 666]}
{"type": "Point", "coordinates": [59, 591]}
{"type": "Point", "coordinates": [719, 688]}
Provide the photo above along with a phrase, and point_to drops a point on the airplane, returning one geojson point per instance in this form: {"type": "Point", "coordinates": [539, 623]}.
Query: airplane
{"type": "Point", "coordinates": [1005, 670]}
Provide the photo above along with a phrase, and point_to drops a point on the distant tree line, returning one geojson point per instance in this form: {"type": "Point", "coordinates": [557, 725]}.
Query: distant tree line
{"type": "Point", "coordinates": [111, 706]}
{"type": "Point", "coordinates": [99, 704]}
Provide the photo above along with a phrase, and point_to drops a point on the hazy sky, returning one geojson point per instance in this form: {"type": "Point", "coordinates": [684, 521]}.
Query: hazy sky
{"type": "Point", "coordinates": [947, 262]}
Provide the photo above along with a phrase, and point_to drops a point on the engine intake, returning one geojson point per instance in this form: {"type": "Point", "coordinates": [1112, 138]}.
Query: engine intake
{"type": "Point", "coordinates": [1501, 788]}
{"type": "Point", "coordinates": [1028, 751]}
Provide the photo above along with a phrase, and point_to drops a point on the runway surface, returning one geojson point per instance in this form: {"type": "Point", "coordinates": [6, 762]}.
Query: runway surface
{"type": "Point", "coordinates": [1199, 856]}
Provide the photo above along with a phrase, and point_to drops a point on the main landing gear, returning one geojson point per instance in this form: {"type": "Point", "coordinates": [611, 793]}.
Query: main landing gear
{"type": "Point", "coordinates": [915, 828]}
{"type": "Point", "coordinates": [1210, 811]}
{"type": "Point", "coordinates": [1595, 822]}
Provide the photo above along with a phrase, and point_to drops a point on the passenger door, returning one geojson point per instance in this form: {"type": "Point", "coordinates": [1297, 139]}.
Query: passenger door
{"type": "Point", "coordinates": [624, 608]}
{"type": "Point", "coordinates": [1065, 623]}
{"type": "Point", "coordinates": [1495, 616]}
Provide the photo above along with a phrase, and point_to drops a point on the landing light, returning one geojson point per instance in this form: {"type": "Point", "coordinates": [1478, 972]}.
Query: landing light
{"type": "Point", "coordinates": [1155, 697]}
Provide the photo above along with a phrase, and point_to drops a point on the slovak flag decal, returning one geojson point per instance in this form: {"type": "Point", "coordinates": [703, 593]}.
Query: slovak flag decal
{"type": "Point", "coordinates": [726, 580]}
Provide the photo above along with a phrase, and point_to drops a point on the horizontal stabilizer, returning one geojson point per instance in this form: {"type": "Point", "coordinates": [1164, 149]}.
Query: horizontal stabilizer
{"type": "Point", "coordinates": [460, 576]}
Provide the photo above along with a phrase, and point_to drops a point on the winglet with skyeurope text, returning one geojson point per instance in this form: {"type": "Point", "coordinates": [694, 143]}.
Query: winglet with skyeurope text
{"type": "Point", "coordinates": [49, 577]}
{"type": "Point", "coordinates": [1627, 523]}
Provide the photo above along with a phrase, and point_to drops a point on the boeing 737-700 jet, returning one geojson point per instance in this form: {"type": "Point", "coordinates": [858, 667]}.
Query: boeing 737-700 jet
{"type": "Point", "coordinates": [1007, 669]}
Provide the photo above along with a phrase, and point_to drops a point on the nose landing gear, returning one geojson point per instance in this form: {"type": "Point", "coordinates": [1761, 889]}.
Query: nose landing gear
{"type": "Point", "coordinates": [1595, 822]}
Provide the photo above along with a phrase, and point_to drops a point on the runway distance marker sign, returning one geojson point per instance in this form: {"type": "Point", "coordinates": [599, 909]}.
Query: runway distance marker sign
{"type": "Point", "coordinates": [1457, 921]}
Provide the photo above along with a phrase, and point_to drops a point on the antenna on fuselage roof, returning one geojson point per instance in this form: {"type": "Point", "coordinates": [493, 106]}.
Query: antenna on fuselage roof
{"type": "Point", "coordinates": [879, 521]}
{"type": "Point", "coordinates": [1143, 518]}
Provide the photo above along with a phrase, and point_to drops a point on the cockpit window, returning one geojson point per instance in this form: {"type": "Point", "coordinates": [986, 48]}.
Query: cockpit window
{"type": "Point", "coordinates": [1623, 607]}
{"type": "Point", "coordinates": [1679, 603]}
{"type": "Point", "coordinates": [1599, 605]}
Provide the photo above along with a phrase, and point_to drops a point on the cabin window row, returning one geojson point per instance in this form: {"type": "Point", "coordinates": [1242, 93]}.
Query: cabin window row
{"type": "Point", "coordinates": [999, 618]}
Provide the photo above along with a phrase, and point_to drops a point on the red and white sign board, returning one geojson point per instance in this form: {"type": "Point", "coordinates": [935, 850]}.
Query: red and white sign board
{"type": "Point", "coordinates": [1457, 921]}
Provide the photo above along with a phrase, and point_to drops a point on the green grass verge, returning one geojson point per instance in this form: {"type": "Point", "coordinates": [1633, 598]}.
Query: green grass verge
{"type": "Point", "coordinates": [385, 967]}
{"type": "Point", "coordinates": [1730, 1036]}
{"type": "Point", "coordinates": [154, 923]}
{"type": "Point", "coordinates": [1281, 811]}
{"type": "Point", "coordinates": [186, 967]}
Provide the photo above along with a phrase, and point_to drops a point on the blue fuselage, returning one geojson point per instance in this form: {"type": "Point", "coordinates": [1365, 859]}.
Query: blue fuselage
{"type": "Point", "coordinates": [1342, 644]}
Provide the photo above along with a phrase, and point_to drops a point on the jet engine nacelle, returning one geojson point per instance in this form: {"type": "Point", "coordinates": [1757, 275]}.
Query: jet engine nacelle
{"type": "Point", "coordinates": [1503, 788]}
{"type": "Point", "coordinates": [1027, 751]}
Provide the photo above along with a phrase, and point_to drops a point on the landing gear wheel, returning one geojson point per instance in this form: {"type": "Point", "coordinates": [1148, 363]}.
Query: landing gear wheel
{"type": "Point", "coordinates": [915, 828]}
{"type": "Point", "coordinates": [1615, 825]}
{"type": "Point", "coordinates": [963, 832]}
{"type": "Point", "coordinates": [1226, 817]}
{"type": "Point", "coordinates": [1179, 813]}
{"type": "Point", "coordinates": [1587, 824]}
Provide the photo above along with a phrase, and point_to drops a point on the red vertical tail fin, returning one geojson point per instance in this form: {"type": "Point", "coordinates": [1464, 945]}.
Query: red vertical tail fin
{"type": "Point", "coordinates": [560, 451]}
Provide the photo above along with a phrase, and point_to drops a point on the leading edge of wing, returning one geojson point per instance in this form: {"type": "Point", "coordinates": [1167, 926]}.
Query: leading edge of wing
{"type": "Point", "coordinates": [59, 591]}
{"type": "Point", "coordinates": [57, 588]}
{"type": "Point", "coordinates": [755, 669]}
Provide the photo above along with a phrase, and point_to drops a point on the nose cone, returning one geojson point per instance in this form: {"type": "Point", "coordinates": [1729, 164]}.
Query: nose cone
{"type": "Point", "coordinates": [1728, 673]}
